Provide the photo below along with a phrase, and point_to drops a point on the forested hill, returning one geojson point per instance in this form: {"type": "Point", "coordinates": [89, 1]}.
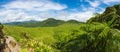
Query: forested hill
{"type": "Point", "coordinates": [111, 16]}
{"type": "Point", "coordinates": [50, 22]}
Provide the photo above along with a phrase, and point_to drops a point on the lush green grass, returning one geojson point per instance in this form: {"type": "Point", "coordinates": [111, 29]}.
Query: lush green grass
{"type": "Point", "coordinates": [44, 34]}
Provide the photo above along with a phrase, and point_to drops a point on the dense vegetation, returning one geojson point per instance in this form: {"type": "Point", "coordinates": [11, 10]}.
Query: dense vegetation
{"type": "Point", "coordinates": [101, 33]}
{"type": "Point", "coordinates": [111, 16]}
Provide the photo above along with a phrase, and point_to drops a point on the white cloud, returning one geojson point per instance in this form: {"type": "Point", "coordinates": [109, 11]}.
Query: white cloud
{"type": "Point", "coordinates": [95, 3]}
{"type": "Point", "coordinates": [16, 10]}
{"type": "Point", "coordinates": [12, 16]}
{"type": "Point", "coordinates": [21, 10]}
{"type": "Point", "coordinates": [44, 5]}
{"type": "Point", "coordinates": [87, 8]}
{"type": "Point", "coordinates": [80, 16]}
{"type": "Point", "coordinates": [110, 1]}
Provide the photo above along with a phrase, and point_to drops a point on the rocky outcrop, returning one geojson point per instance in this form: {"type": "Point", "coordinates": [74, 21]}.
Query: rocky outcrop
{"type": "Point", "coordinates": [11, 45]}
{"type": "Point", "coordinates": [7, 43]}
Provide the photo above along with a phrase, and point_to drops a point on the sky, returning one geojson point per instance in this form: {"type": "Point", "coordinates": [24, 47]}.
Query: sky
{"type": "Point", "coordinates": [25, 10]}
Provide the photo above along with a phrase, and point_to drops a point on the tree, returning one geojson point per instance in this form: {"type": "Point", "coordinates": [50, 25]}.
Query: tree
{"type": "Point", "coordinates": [1, 32]}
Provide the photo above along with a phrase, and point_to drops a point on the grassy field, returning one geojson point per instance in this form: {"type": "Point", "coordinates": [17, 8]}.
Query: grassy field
{"type": "Point", "coordinates": [43, 34]}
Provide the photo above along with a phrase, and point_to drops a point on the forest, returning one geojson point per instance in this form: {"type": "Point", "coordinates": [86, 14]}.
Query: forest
{"type": "Point", "coordinates": [101, 33]}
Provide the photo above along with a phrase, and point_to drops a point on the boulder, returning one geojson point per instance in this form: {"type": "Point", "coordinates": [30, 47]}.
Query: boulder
{"type": "Point", "coordinates": [11, 45]}
{"type": "Point", "coordinates": [7, 43]}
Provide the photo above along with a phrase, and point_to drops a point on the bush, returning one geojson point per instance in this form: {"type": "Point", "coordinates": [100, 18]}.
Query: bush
{"type": "Point", "coordinates": [93, 37]}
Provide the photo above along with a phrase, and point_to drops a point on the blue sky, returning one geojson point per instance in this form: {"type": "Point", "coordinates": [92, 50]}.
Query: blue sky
{"type": "Point", "coordinates": [25, 10]}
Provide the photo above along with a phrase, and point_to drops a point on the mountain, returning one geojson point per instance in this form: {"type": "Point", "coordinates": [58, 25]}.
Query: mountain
{"type": "Point", "coordinates": [111, 16]}
{"type": "Point", "coordinates": [22, 23]}
{"type": "Point", "coordinates": [50, 22]}
{"type": "Point", "coordinates": [73, 21]}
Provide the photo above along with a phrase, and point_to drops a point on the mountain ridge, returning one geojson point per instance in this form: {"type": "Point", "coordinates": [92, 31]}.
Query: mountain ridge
{"type": "Point", "coordinates": [50, 22]}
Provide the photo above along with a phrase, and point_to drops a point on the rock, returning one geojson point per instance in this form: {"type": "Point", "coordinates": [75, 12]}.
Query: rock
{"type": "Point", "coordinates": [7, 43]}
{"type": "Point", "coordinates": [11, 45]}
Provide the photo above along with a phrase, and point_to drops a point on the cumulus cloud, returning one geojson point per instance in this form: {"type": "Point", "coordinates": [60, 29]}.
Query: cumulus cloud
{"type": "Point", "coordinates": [34, 5]}
{"type": "Point", "coordinates": [21, 10]}
{"type": "Point", "coordinates": [11, 16]}
{"type": "Point", "coordinates": [25, 10]}
{"type": "Point", "coordinates": [80, 16]}
{"type": "Point", "coordinates": [108, 2]}
{"type": "Point", "coordinates": [95, 3]}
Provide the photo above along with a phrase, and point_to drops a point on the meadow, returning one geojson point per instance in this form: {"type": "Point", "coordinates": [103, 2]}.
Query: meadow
{"type": "Point", "coordinates": [42, 34]}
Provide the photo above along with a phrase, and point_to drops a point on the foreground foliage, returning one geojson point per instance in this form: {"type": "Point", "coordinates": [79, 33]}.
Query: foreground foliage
{"type": "Point", "coordinates": [94, 37]}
